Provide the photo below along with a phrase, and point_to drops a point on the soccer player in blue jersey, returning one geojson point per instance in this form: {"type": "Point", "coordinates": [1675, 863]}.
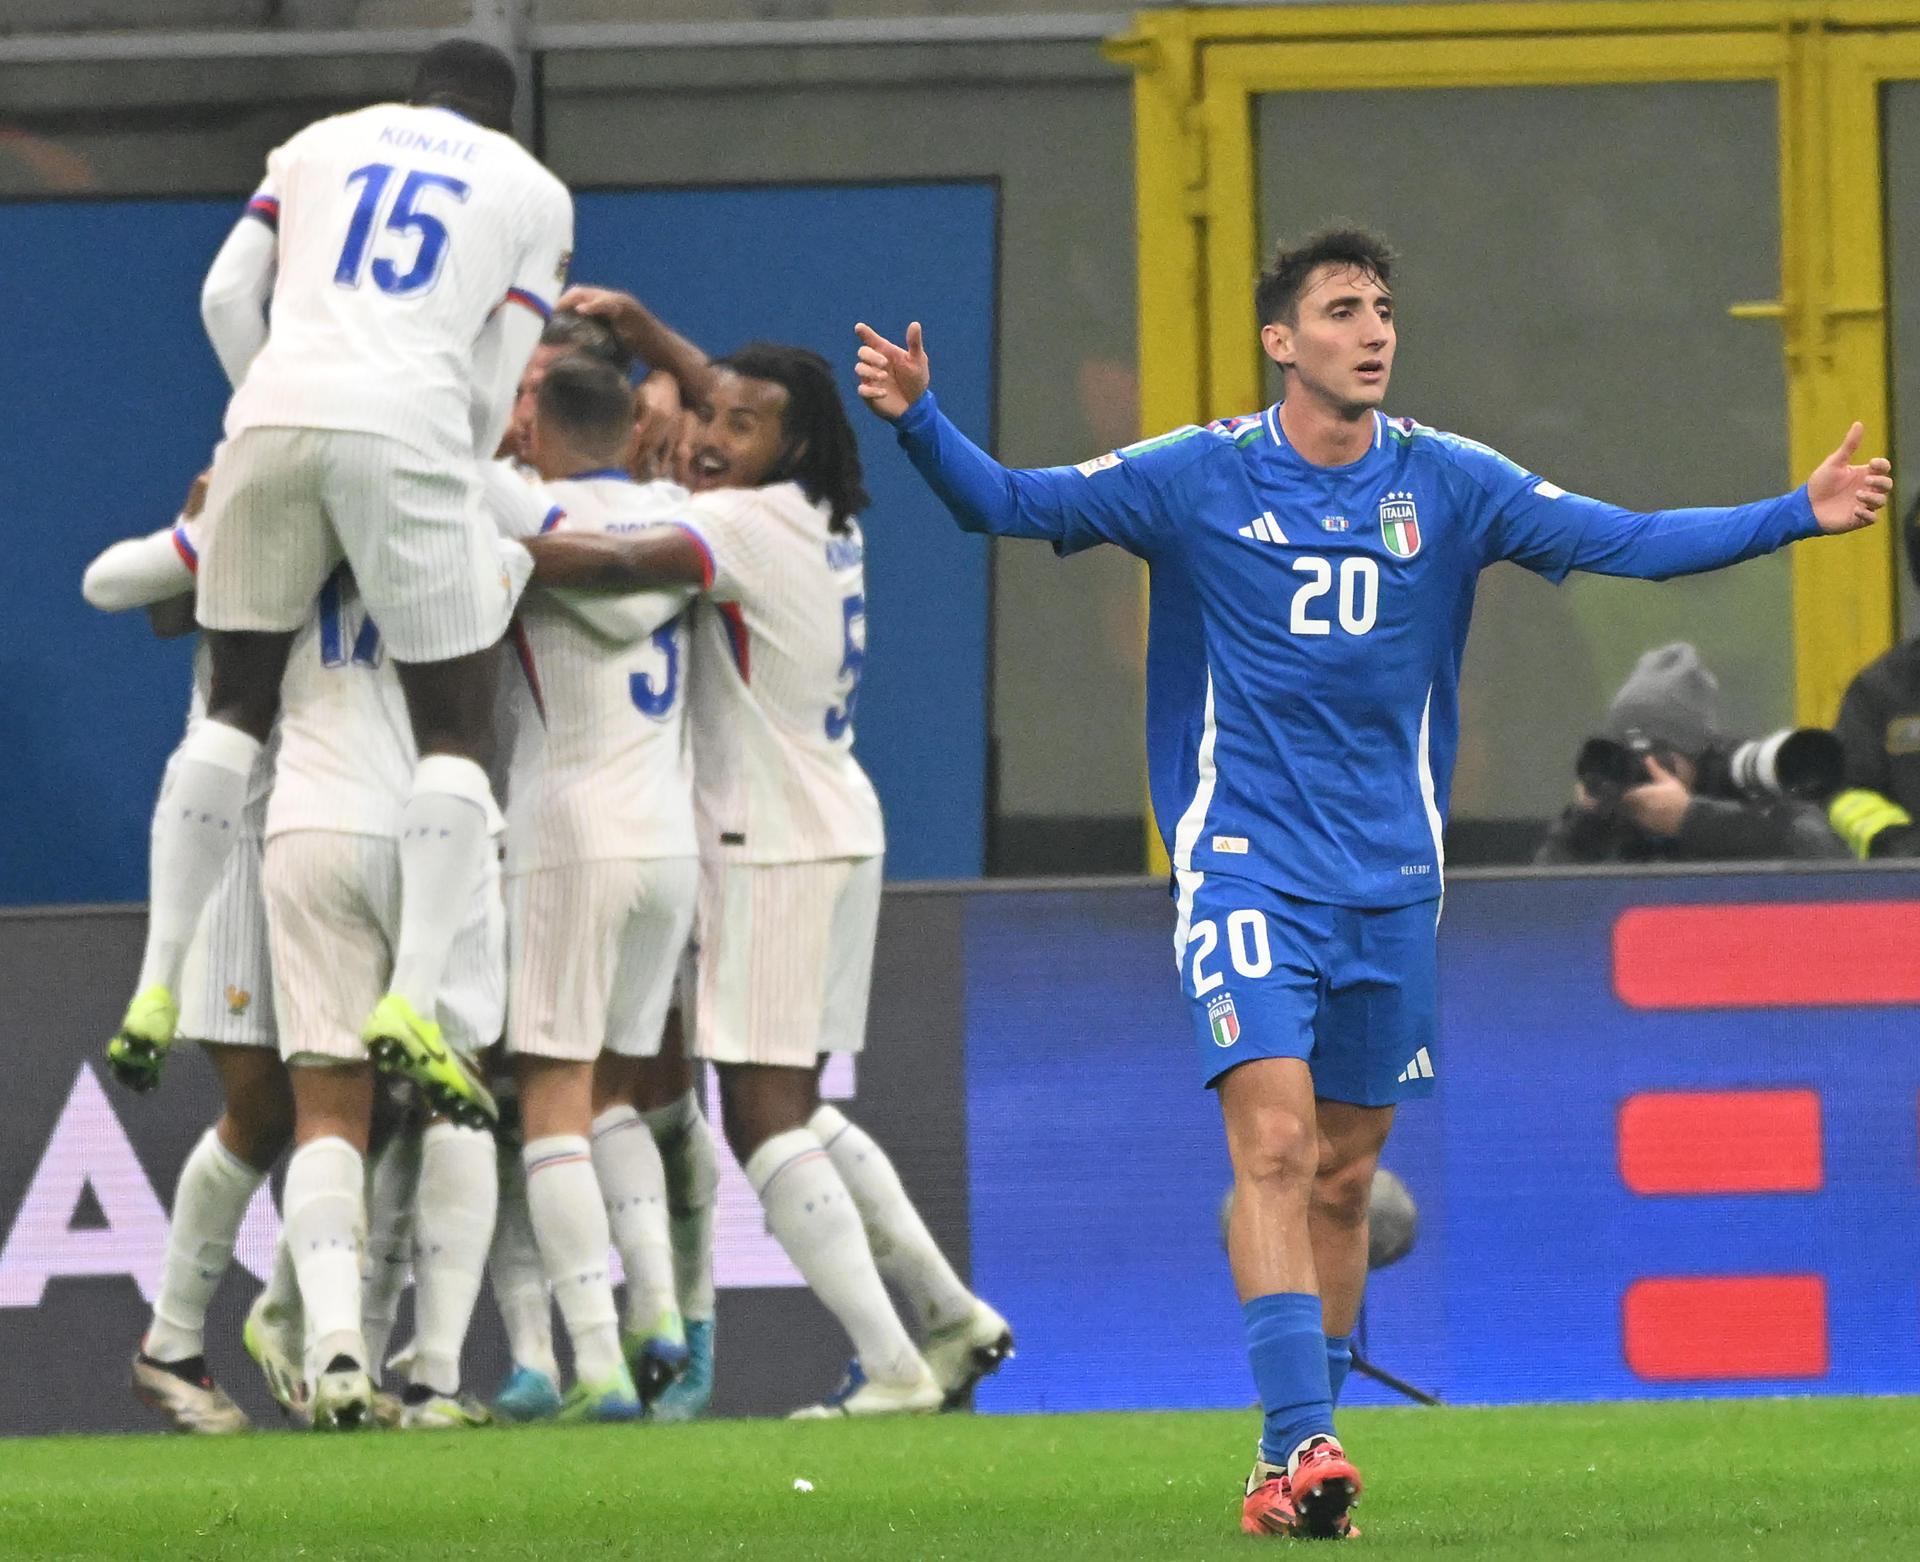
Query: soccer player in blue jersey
{"type": "Point", "coordinates": [1313, 569]}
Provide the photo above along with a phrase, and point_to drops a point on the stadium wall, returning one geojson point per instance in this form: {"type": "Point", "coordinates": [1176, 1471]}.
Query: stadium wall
{"type": "Point", "coordinates": [1673, 1154]}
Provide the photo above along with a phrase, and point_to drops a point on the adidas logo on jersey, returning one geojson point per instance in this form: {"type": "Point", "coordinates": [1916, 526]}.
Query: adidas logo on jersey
{"type": "Point", "coordinates": [1263, 528]}
{"type": "Point", "coordinates": [1420, 1068]}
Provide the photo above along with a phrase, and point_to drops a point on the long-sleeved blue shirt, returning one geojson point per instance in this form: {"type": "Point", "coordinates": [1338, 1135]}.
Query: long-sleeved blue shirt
{"type": "Point", "coordinates": [1306, 623]}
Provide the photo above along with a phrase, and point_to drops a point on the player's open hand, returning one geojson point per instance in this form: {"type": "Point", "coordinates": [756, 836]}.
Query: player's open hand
{"type": "Point", "coordinates": [620, 310]}
{"type": "Point", "coordinates": [892, 378]}
{"type": "Point", "coordinates": [1845, 496]}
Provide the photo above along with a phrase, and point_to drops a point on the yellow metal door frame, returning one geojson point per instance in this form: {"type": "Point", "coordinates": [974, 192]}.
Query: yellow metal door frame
{"type": "Point", "coordinates": [1197, 73]}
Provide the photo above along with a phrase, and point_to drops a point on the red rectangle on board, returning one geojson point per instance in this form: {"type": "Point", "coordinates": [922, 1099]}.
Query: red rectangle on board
{"type": "Point", "coordinates": [1721, 1141]}
{"type": "Point", "coordinates": [1808, 955]}
{"type": "Point", "coordinates": [1725, 1327]}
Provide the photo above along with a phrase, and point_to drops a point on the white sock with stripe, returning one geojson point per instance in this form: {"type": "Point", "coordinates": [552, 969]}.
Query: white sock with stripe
{"type": "Point", "coordinates": [517, 1273]}
{"type": "Point", "coordinates": [902, 1246]}
{"type": "Point", "coordinates": [454, 1213]}
{"type": "Point", "coordinates": [812, 1215]}
{"type": "Point", "coordinates": [634, 1183]}
{"type": "Point", "coordinates": [325, 1200]}
{"type": "Point", "coordinates": [445, 835]}
{"type": "Point", "coordinates": [570, 1221]}
{"type": "Point", "coordinates": [195, 825]}
{"type": "Point", "coordinates": [208, 1204]}
{"type": "Point", "coordinates": [389, 1255]}
{"type": "Point", "coordinates": [685, 1140]}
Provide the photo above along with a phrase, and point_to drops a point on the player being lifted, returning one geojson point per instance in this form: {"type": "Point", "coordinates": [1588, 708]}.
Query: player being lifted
{"type": "Point", "coordinates": [1312, 569]}
{"type": "Point", "coordinates": [409, 252]}
{"type": "Point", "coordinates": [790, 843]}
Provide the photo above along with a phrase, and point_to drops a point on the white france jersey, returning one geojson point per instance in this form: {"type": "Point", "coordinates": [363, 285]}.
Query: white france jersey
{"type": "Point", "coordinates": [346, 746]}
{"type": "Point", "coordinates": [600, 766]}
{"type": "Point", "coordinates": [401, 230]}
{"type": "Point", "coordinates": [777, 655]}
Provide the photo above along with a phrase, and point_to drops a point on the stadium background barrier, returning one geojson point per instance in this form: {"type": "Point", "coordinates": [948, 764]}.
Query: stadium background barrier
{"type": "Point", "coordinates": [87, 458]}
{"type": "Point", "coordinates": [1674, 1152]}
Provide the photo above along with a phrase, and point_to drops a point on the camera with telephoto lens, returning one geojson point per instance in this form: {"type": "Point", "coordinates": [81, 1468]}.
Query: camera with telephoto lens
{"type": "Point", "coordinates": [1609, 766]}
{"type": "Point", "coordinates": [1805, 763]}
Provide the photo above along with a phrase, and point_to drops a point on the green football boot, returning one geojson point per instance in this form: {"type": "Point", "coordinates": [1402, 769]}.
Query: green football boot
{"type": "Point", "coordinates": [402, 1043]}
{"type": "Point", "coordinates": [140, 1046]}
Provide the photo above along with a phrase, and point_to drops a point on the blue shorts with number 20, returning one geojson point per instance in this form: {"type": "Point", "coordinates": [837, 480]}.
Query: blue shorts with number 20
{"type": "Point", "coordinates": [1349, 990]}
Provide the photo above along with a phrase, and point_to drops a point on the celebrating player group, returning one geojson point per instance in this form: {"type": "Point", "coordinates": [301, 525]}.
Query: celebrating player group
{"type": "Point", "coordinates": [688, 867]}
{"type": "Point", "coordinates": [425, 463]}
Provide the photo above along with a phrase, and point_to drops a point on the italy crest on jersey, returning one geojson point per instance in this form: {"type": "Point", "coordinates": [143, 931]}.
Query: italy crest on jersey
{"type": "Point", "coordinates": [1224, 1023]}
{"type": "Point", "coordinates": [1400, 525]}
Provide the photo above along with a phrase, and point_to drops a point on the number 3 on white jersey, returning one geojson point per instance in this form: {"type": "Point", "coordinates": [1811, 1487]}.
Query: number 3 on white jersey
{"type": "Point", "coordinates": [1359, 594]}
{"type": "Point", "coordinates": [1247, 944]}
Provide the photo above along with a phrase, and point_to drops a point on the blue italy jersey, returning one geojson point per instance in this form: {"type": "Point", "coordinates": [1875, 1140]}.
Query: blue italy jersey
{"type": "Point", "coordinates": [1307, 623]}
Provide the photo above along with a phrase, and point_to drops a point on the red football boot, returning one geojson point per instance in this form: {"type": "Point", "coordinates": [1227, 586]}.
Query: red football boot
{"type": "Point", "coordinates": [1323, 1486]}
{"type": "Point", "coordinates": [1268, 1509]}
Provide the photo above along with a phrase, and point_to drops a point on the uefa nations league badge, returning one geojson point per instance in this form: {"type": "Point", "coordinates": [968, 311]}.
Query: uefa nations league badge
{"type": "Point", "coordinates": [1400, 525]}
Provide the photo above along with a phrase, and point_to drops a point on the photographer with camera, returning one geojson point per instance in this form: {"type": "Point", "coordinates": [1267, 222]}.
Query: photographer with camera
{"type": "Point", "coordinates": [1661, 786]}
{"type": "Point", "coordinates": [1879, 733]}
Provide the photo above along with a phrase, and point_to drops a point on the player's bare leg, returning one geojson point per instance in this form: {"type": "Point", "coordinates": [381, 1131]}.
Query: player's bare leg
{"type": "Point", "coordinates": [965, 1338]}
{"type": "Point", "coordinates": [217, 1183]}
{"type": "Point", "coordinates": [446, 832]}
{"type": "Point", "coordinates": [195, 825]}
{"type": "Point", "coordinates": [1273, 1141]}
{"type": "Point", "coordinates": [633, 1180]}
{"type": "Point", "coordinates": [326, 1222]}
{"type": "Point", "coordinates": [569, 1217]}
{"type": "Point", "coordinates": [664, 1089]}
{"type": "Point", "coordinates": [1351, 1138]}
{"type": "Point", "coordinates": [811, 1213]}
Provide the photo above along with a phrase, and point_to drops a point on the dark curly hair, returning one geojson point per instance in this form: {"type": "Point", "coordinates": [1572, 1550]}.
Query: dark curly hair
{"type": "Point", "coordinates": [822, 457]}
{"type": "Point", "coordinates": [1276, 296]}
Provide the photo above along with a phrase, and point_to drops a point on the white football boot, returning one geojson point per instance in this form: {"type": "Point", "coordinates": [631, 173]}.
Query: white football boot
{"type": "Point", "coordinates": [192, 1404]}
{"type": "Point", "coordinates": [963, 1353]}
{"type": "Point", "coordinates": [856, 1396]}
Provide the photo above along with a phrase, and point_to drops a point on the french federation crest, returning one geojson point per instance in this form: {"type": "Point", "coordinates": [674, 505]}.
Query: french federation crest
{"type": "Point", "coordinates": [1400, 525]}
{"type": "Point", "coordinates": [1222, 1021]}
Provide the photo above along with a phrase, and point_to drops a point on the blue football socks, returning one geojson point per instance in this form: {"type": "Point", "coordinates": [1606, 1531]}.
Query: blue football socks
{"type": "Point", "coordinates": [1288, 1353]}
{"type": "Point", "coordinates": [1339, 1362]}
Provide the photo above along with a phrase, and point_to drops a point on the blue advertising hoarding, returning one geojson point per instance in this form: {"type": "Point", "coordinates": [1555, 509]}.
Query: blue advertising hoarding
{"type": "Point", "coordinates": [1675, 1149]}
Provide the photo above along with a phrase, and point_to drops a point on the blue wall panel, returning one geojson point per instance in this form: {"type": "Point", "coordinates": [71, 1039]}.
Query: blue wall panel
{"type": "Point", "coordinates": [1096, 1162]}
{"type": "Point", "coordinates": [115, 401]}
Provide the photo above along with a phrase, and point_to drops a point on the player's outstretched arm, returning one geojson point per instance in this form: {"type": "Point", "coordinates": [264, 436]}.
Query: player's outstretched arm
{"type": "Point", "coordinates": [1110, 499]}
{"type": "Point", "coordinates": [645, 335]}
{"type": "Point", "coordinates": [1537, 524]}
{"type": "Point", "coordinates": [633, 561]}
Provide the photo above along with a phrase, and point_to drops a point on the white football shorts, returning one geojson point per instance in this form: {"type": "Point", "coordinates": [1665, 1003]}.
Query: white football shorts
{"type": "Point", "coordinates": [226, 990]}
{"type": "Point", "coordinates": [333, 914]}
{"type": "Point", "coordinates": [594, 950]}
{"type": "Point", "coordinates": [285, 505]}
{"type": "Point", "coordinates": [786, 959]}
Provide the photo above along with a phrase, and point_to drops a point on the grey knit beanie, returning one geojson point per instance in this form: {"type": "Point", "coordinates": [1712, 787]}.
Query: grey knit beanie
{"type": "Point", "coordinates": [1671, 698]}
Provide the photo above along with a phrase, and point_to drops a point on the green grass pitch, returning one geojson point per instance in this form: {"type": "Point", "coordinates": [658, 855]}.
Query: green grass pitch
{"type": "Point", "coordinates": [1758, 1478]}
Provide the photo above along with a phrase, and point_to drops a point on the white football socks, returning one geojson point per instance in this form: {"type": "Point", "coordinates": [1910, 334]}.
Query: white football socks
{"type": "Point", "coordinates": [517, 1273]}
{"type": "Point", "coordinates": [195, 824]}
{"type": "Point", "coordinates": [570, 1221]}
{"type": "Point", "coordinates": [389, 1253]}
{"type": "Point", "coordinates": [902, 1246]}
{"type": "Point", "coordinates": [812, 1216]}
{"type": "Point", "coordinates": [454, 1214]}
{"type": "Point", "coordinates": [445, 834]}
{"type": "Point", "coordinates": [685, 1141]}
{"type": "Point", "coordinates": [212, 1196]}
{"type": "Point", "coordinates": [326, 1224]}
{"type": "Point", "coordinates": [626, 1164]}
